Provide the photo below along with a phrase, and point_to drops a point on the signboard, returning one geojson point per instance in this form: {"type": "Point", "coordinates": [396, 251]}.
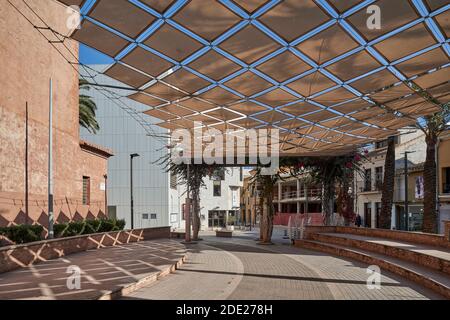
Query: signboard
{"type": "Point", "coordinates": [234, 198]}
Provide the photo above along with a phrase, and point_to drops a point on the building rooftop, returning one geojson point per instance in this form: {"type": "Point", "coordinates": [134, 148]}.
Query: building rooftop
{"type": "Point", "coordinates": [96, 149]}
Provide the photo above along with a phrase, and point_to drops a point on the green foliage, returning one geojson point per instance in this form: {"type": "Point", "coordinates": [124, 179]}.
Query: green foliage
{"type": "Point", "coordinates": [88, 110]}
{"type": "Point", "coordinates": [92, 226]}
{"type": "Point", "coordinates": [106, 225]}
{"type": "Point", "coordinates": [31, 233]}
{"type": "Point", "coordinates": [77, 228]}
{"type": "Point", "coordinates": [59, 229]}
{"type": "Point", "coordinates": [23, 233]}
{"type": "Point", "coordinates": [120, 224]}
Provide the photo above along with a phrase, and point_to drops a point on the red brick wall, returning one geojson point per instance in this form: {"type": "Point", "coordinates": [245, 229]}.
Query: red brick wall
{"type": "Point", "coordinates": [27, 62]}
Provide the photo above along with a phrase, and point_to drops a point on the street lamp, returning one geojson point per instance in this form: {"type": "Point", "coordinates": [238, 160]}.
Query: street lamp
{"type": "Point", "coordinates": [406, 190]}
{"type": "Point", "coordinates": [132, 156]}
{"type": "Point", "coordinates": [187, 207]}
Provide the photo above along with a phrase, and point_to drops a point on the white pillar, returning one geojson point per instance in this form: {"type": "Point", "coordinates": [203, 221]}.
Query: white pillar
{"type": "Point", "coordinates": [393, 218]}
{"type": "Point", "coordinates": [298, 195]}
{"type": "Point", "coordinates": [279, 196]}
{"type": "Point", "coordinates": [373, 214]}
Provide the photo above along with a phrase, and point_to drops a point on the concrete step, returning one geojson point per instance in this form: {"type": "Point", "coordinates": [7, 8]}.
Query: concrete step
{"type": "Point", "coordinates": [432, 279]}
{"type": "Point", "coordinates": [432, 257]}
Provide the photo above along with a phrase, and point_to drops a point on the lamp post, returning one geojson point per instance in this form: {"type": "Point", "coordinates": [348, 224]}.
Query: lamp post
{"type": "Point", "coordinates": [132, 156]}
{"type": "Point", "coordinates": [406, 189]}
{"type": "Point", "coordinates": [188, 209]}
{"type": "Point", "coordinates": [106, 194]}
{"type": "Point", "coordinates": [179, 151]}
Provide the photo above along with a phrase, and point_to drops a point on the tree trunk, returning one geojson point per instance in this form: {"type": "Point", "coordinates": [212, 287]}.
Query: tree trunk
{"type": "Point", "coordinates": [267, 221]}
{"type": "Point", "coordinates": [387, 196]}
{"type": "Point", "coordinates": [429, 186]}
{"type": "Point", "coordinates": [261, 218]}
{"type": "Point", "coordinates": [195, 214]}
{"type": "Point", "coordinates": [266, 225]}
{"type": "Point", "coordinates": [328, 202]}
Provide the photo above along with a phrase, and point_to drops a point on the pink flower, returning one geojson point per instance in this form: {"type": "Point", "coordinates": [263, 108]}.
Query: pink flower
{"type": "Point", "coordinates": [349, 165]}
{"type": "Point", "coordinates": [366, 151]}
{"type": "Point", "coordinates": [357, 157]}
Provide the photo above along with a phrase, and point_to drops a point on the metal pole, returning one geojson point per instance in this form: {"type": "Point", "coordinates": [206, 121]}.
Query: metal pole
{"type": "Point", "coordinates": [187, 233]}
{"type": "Point", "coordinates": [131, 192]}
{"type": "Point", "coordinates": [50, 164]}
{"type": "Point", "coordinates": [406, 191]}
{"type": "Point", "coordinates": [106, 195]}
{"type": "Point", "coordinates": [27, 213]}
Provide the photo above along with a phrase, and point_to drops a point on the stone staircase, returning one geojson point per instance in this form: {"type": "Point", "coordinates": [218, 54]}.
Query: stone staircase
{"type": "Point", "coordinates": [422, 258]}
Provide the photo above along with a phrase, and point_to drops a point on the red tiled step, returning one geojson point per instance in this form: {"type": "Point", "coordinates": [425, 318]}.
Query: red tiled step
{"type": "Point", "coordinates": [434, 280]}
{"type": "Point", "coordinates": [428, 256]}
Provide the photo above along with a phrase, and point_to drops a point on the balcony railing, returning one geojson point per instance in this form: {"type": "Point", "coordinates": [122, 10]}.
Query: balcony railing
{"type": "Point", "coordinates": [311, 193]}
{"type": "Point", "coordinates": [370, 185]}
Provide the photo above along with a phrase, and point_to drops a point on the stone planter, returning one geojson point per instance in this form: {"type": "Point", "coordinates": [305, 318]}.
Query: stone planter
{"type": "Point", "coordinates": [224, 233]}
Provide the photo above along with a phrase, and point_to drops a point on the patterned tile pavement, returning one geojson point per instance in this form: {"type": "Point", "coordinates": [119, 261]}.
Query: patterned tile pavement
{"type": "Point", "coordinates": [102, 271]}
{"type": "Point", "coordinates": [238, 268]}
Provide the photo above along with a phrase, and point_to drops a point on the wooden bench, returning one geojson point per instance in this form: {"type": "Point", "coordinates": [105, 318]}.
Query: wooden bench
{"type": "Point", "coordinates": [224, 233]}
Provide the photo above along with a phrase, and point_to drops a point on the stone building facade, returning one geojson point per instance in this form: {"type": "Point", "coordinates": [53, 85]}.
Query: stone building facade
{"type": "Point", "coordinates": [27, 62]}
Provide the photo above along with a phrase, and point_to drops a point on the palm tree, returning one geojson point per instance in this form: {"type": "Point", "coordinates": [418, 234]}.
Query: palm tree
{"type": "Point", "coordinates": [387, 195]}
{"type": "Point", "coordinates": [87, 110]}
{"type": "Point", "coordinates": [432, 127]}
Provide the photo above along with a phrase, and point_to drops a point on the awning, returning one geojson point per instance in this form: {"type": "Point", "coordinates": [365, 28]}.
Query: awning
{"type": "Point", "coordinates": [320, 71]}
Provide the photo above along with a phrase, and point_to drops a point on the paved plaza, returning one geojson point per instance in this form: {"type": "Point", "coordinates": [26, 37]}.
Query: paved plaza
{"type": "Point", "coordinates": [235, 268]}
{"type": "Point", "coordinates": [103, 272]}
{"type": "Point", "coordinates": [239, 268]}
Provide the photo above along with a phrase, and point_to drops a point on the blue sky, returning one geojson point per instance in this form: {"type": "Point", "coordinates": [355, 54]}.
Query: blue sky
{"type": "Point", "coordinates": [91, 56]}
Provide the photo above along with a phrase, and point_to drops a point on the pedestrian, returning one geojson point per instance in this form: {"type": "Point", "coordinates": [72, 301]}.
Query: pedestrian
{"type": "Point", "coordinates": [358, 220]}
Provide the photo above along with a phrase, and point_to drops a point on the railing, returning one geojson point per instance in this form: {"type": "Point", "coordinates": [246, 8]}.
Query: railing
{"type": "Point", "coordinates": [310, 193]}
{"type": "Point", "coordinates": [370, 185]}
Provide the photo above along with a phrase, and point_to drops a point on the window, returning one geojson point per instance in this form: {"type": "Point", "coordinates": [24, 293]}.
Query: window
{"type": "Point", "coordinates": [379, 178]}
{"type": "Point", "coordinates": [173, 180]}
{"type": "Point", "coordinates": [173, 217]}
{"type": "Point", "coordinates": [368, 180]}
{"type": "Point", "coordinates": [446, 180]}
{"type": "Point", "coordinates": [377, 214]}
{"type": "Point", "coordinates": [218, 174]}
{"type": "Point", "coordinates": [145, 216]}
{"type": "Point", "coordinates": [86, 190]}
{"type": "Point", "coordinates": [217, 188]}
{"type": "Point", "coordinates": [384, 143]}
{"type": "Point", "coordinates": [381, 144]}
{"type": "Point", "coordinates": [153, 216]}
{"type": "Point", "coordinates": [367, 215]}
{"type": "Point", "coordinates": [216, 219]}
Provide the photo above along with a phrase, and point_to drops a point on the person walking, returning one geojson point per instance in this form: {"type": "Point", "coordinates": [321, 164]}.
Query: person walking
{"type": "Point", "coordinates": [358, 220]}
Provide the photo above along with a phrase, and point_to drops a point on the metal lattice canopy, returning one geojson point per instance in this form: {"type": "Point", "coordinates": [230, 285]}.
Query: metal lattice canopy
{"type": "Point", "coordinates": [313, 69]}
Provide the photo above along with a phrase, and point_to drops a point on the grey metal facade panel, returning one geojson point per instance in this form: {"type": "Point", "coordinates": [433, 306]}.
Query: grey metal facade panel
{"type": "Point", "coordinates": [122, 134]}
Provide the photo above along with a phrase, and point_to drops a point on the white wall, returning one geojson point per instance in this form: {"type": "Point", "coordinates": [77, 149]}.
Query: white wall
{"type": "Point", "coordinates": [207, 200]}
{"type": "Point", "coordinates": [409, 140]}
